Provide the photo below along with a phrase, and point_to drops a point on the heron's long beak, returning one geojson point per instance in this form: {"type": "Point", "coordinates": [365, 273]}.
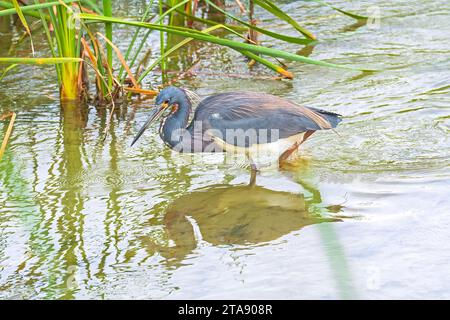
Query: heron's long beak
{"type": "Point", "coordinates": [153, 117]}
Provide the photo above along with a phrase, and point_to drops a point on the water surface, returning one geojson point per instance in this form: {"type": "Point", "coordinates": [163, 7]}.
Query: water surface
{"type": "Point", "coordinates": [364, 213]}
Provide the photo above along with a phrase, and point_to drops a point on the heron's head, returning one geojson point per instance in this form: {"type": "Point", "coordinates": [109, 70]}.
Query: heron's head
{"type": "Point", "coordinates": [168, 98]}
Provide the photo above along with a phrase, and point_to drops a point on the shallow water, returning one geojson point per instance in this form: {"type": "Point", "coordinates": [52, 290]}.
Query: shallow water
{"type": "Point", "coordinates": [364, 213]}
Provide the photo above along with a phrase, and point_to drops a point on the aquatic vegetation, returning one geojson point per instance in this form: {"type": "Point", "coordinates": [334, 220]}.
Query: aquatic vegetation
{"type": "Point", "coordinates": [12, 116]}
{"type": "Point", "coordinates": [362, 214]}
{"type": "Point", "coordinates": [72, 33]}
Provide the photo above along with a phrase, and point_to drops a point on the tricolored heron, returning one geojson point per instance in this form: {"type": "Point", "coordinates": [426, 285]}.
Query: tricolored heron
{"type": "Point", "coordinates": [238, 122]}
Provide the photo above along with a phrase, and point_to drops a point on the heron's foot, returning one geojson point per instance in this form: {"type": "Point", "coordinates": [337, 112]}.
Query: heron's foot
{"type": "Point", "coordinates": [295, 164]}
{"type": "Point", "coordinates": [283, 164]}
{"type": "Point", "coordinates": [282, 160]}
{"type": "Point", "coordinates": [293, 161]}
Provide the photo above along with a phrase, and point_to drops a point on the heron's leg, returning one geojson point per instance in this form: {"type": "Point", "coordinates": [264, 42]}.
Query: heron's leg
{"type": "Point", "coordinates": [254, 171]}
{"type": "Point", "coordinates": [286, 154]}
{"type": "Point", "coordinates": [253, 175]}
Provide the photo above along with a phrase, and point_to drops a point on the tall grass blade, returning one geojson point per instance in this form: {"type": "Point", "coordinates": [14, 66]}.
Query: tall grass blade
{"type": "Point", "coordinates": [241, 6]}
{"type": "Point", "coordinates": [107, 11]}
{"type": "Point", "coordinates": [162, 42]}
{"type": "Point", "coordinates": [24, 22]}
{"type": "Point", "coordinates": [142, 91]}
{"type": "Point", "coordinates": [276, 11]}
{"type": "Point", "coordinates": [92, 5]}
{"type": "Point", "coordinates": [347, 13]}
{"type": "Point", "coordinates": [172, 50]}
{"type": "Point", "coordinates": [37, 61]}
{"type": "Point", "coordinates": [29, 9]}
{"type": "Point", "coordinates": [133, 40]}
{"type": "Point", "coordinates": [275, 35]}
{"type": "Point", "coordinates": [161, 17]}
{"type": "Point", "coordinates": [44, 18]}
{"type": "Point", "coordinates": [190, 33]}
{"type": "Point", "coordinates": [283, 72]}
{"type": "Point", "coordinates": [7, 69]}
{"type": "Point", "coordinates": [211, 22]}
{"type": "Point", "coordinates": [102, 84]}
{"type": "Point", "coordinates": [12, 115]}
{"type": "Point", "coordinates": [208, 30]}
{"type": "Point", "coordinates": [121, 59]}
{"type": "Point", "coordinates": [147, 34]}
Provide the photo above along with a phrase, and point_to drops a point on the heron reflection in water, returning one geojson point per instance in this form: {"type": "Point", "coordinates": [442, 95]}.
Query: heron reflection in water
{"type": "Point", "coordinates": [233, 215]}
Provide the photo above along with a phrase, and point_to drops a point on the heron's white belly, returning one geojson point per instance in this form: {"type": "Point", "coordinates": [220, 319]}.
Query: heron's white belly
{"type": "Point", "coordinates": [262, 154]}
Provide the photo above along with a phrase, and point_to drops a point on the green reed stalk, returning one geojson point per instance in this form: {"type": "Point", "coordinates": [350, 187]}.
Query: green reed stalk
{"type": "Point", "coordinates": [160, 18]}
{"type": "Point", "coordinates": [161, 42]}
{"type": "Point", "coordinates": [68, 45]}
{"type": "Point", "coordinates": [198, 35]}
{"type": "Point", "coordinates": [107, 11]}
{"type": "Point", "coordinates": [133, 40]}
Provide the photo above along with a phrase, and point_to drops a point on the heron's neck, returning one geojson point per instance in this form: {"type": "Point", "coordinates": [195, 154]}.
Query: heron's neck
{"type": "Point", "coordinates": [172, 128]}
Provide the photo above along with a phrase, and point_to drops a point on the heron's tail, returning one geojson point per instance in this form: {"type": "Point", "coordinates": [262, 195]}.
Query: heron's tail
{"type": "Point", "coordinates": [331, 117]}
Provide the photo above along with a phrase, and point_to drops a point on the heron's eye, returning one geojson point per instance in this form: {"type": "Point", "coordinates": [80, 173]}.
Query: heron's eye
{"type": "Point", "coordinates": [166, 102]}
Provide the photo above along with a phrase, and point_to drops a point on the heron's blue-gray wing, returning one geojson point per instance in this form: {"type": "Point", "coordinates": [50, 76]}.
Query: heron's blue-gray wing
{"type": "Point", "coordinates": [262, 118]}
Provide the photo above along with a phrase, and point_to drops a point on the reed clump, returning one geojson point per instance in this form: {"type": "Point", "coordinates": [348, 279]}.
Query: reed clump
{"type": "Point", "coordinates": [81, 51]}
